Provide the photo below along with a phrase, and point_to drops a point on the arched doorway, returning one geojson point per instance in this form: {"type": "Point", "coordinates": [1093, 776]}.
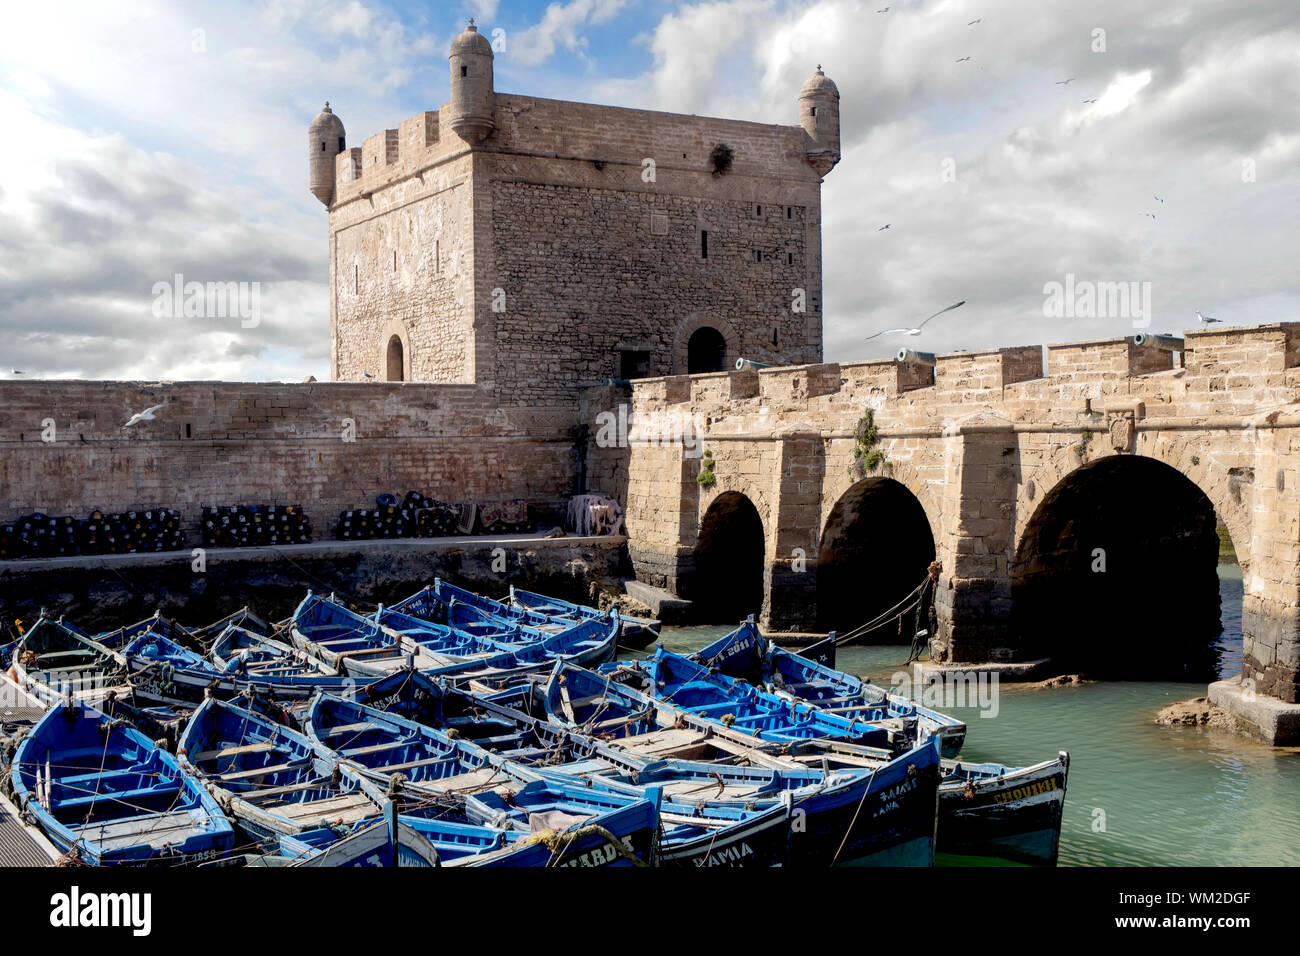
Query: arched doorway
{"type": "Point", "coordinates": [395, 360]}
{"type": "Point", "coordinates": [727, 585]}
{"type": "Point", "coordinates": [706, 351]}
{"type": "Point", "coordinates": [875, 549]}
{"type": "Point", "coordinates": [1116, 574]}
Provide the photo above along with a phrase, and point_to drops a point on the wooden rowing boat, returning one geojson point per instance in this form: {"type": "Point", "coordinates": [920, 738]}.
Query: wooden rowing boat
{"type": "Point", "coordinates": [271, 779]}
{"type": "Point", "coordinates": [106, 794]}
{"type": "Point", "coordinates": [744, 654]}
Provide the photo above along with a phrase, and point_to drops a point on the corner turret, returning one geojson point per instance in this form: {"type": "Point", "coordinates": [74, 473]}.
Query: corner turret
{"type": "Point", "coordinates": [473, 107]}
{"type": "Point", "coordinates": [819, 115]}
{"type": "Point", "coordinates": [325, 140]}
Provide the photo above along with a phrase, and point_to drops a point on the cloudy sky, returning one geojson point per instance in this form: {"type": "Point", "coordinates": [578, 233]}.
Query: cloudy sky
{"type": "Point", "coordinates": [146, 139]}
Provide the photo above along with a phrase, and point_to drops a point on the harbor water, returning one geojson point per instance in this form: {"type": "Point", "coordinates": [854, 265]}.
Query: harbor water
{"type": "Point", "coordinates": [1139, 794]}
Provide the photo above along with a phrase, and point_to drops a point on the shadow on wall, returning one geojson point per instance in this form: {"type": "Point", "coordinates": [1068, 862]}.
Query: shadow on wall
{"type": "Point", "coordinates": [727, 582]}
{"type": "Point", "coordinates": [875, 548]}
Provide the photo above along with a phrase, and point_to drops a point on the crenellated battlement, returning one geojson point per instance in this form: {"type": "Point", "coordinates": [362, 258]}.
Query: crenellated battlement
{"type": "Point", "coordinates": [1222, 371]}
{"type": "Point", "coordinates": [391, 156]}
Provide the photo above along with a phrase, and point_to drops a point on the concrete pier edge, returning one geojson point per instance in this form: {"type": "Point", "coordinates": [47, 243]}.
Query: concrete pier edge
{"type": "Point", "coordinates": [1273, 721]}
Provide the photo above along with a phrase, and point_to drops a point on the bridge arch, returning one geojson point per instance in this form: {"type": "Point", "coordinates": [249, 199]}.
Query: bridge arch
{"type": "Point", "coordinates": [727, 583]}
{"type": "Point", "coordinates": [875, 545]}
{"type": "Point", "coordinates": [1114, 568]}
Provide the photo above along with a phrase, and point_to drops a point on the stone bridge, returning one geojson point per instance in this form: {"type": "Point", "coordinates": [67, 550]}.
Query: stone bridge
{"type": "Point", "coordinates": [1072, 498]}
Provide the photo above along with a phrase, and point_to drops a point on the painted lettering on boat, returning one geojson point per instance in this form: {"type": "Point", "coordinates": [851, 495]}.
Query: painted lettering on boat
{"type": "Point", "coordinates": [889, 800]}
{"type": "Point", "coordinates": [744, 645]}
{"type": "Point", "coordinates": [419, 697]}
{"type": "Point", "coordinates": [1029, 790]}
{"type": "Point", "coordinates": [727, 856]}
{"type": "Point", "coordinates": [600, 856]}
{"type": "Point", "coordinates": [75, 909]}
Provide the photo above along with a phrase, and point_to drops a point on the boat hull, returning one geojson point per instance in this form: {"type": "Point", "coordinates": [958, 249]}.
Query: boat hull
{"type": "Point", "coordinates": [760, 842]}
{"type": "Point", "coordinates": [633, 827]}
{"type": "Point", "coordinates": [1016, 817]}
{"type": "Point", "coordinates": [890, 822]}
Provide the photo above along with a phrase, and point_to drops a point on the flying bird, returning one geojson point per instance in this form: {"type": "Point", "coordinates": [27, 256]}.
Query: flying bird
{"type": "Point", "coordinates": [1205, 319]}
{"type": "Point", "coordinates": [1065, 82]}
{"type": "Point", "coordinates": [884, 227]}
{"type": "Point", "coordinates": [16, 371]}
{"type": "Point", "coordinates": [1151, 214]}
{"type": "Point", "coordinates": [144, 416]}
{"type": "Point", "coordinates": [1157, 199]}
{"type": "Point", "coordinates": [917, 330]}
{"type": "Point", "coordinates": [1090, 101]}
{"type": "Point", "coordinates": [366, 374]}
{"type": "Point", "coordinates": [972, 23]}
{"type": "Point", "coordinates": [963, 59]}
{"type": "Point", "coordinates": [883, 10]}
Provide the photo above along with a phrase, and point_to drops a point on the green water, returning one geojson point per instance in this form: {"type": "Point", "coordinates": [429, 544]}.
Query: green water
{"type": "Point", "coordinates": [1170, 795]}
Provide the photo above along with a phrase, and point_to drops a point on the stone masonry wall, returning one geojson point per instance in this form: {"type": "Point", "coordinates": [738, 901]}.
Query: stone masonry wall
{"type": "Point", "coordinates": [585, 273]}
{"type": "Point", "coordinates": [220, 443]}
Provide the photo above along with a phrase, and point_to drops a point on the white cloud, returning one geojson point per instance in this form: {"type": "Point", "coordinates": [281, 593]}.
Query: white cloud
{"type": "Point", "coordinates": [132, 157]}
{"type": "Point", "coordinates": [559, 28]}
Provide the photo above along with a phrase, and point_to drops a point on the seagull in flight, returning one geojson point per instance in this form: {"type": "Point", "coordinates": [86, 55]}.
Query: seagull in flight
{"type": "Point", "coordinates": [963, 59]}
{"type": "Point", "coordinates": [917, 330]}
{"type": "Point", "coordinates": [1151, 214]}
{"type": "Point", "coordinates": [1089, 101]}
{"type": "Point", "coordinates": [883, 10]}
{"type": "Point", "coordinates": [884, 227]}
{"type": "Point", "coordinates": [1205, 319]}
{"type": "Point", "coordinates": [144, 416]}
{"type": "Point", "coordinates": [366, 374]}
{"type": "Point", "coordinates": [1065, 82]}
{"type": "Point", "coordinates": [16, 371]}
{"type": "Point", "coordinates": [1157, 199]}
{"type": "Point", "coordinates": [972, 23]}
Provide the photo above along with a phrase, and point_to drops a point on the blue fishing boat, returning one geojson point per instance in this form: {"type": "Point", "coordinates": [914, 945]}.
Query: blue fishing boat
{"type": "Point", "coordinates": [375, 843]}
{"type": "Point", "coordinates": [550, 824]}
{"type": "Point", "coordinates": [588, 642]}
{"type": "Point", "coordinates": [1011, 813]}
{"type": "Point", "coordinates": [746, 655]}
{"type": "Point", "coordinates": [445, 603]}
{"type": "Point", "coordinates": [380, 744]}
{"type": "Point", "coordinates": [985, 809]}
{"type": "Point", "coordinates": [106, 794]}
{"type": "Point", "coordinates": [698, 689]}
{"type": "Point", "coordinates": [434, 601]}
{"type": "Point", "coordinates": [256, 655]}
{"type": "Point", "coordinates": [438, 779]}
{"type": "Point", "coordinates": [364, 647]}
{"type": "Point", "coordinates": [55, 659]}
{"type": "Point", "coordinates": [118, 638]}
{"type": "Point", "coordinates": [637, 633]}
{"type": "Point", "coordinates": [164, 672]}
{"type": "Point", "coordinates": [271, 779]}
{"type": "Point", "coordinates": [885, 816]}
{"type": "Point", "coordinates": [710, 814]}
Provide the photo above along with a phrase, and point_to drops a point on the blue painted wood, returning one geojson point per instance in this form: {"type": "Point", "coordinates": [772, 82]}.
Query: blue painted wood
{"type": "Point", "coordinates": [101, 789]}
{"type": "Point", "coordinates": [745, 654]}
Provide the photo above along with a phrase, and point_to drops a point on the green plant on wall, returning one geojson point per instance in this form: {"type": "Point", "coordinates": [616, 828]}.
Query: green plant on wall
{"type": "Point", "coordinates": [1081, 449]}
{"type": "Point", "coordinates": [866, 456]}
{"type": "Point", "coordinates": [706, 478]}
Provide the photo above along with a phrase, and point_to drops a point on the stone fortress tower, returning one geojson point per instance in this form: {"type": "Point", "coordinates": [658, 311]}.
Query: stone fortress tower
{"type": "Point", "coordinates": [537, 246]}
